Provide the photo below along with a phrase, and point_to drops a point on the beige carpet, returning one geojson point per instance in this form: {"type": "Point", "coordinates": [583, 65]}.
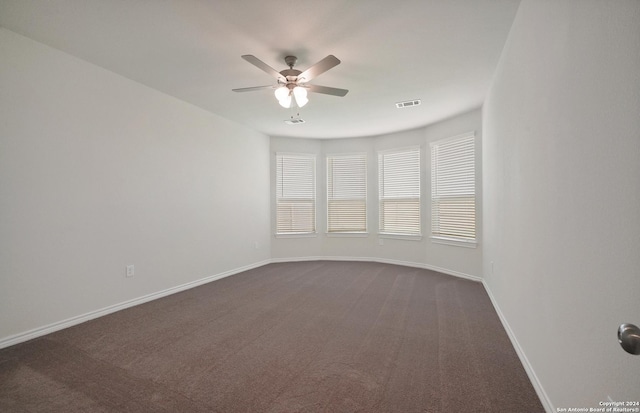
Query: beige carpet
{"type": "Point", "coordinates": [294, 337]}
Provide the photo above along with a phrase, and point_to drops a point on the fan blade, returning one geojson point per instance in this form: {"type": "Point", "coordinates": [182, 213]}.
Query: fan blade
{"type": "Point", "coordinates": [263, 66]}
{"type": "Point", "coordinates": [319, 68]}
{"type": "Point", "coordinates": [251, 89]}
{"type": "Point", "coordinates": [327, 90]}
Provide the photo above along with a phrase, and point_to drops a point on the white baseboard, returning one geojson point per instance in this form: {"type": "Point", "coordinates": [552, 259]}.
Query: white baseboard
{"type": "Point", "coordinates": [382, 261]}
{"type": "Point", "coordinates": [432, 268]}
{"type": "Point", "coordinates": [542, 395]}
{"type": "Point", "coordinates": [51, 328]}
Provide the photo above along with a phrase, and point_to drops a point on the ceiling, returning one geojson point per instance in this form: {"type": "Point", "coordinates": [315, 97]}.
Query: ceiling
{"type": "Point", "coordinates": [443, 52]}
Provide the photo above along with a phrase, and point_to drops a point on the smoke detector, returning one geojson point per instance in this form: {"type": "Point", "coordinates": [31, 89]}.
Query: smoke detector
{"type": "Point", "coordinates": [408, 103]}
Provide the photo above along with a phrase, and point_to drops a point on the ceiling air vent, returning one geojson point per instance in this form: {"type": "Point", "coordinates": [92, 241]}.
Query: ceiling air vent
{"type": "Point", "coordinates": [408, 103]}
{"type": "Point", "coordinates": [294, 121]}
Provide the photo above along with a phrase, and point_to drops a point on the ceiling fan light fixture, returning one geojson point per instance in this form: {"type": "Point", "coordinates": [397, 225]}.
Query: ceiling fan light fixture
{"type": "Point", "coordinates": [283, 94]}
{"type": "Point", "coordinates": [286, 102]}
{"type": "Point", "coordinates": [300, 94]}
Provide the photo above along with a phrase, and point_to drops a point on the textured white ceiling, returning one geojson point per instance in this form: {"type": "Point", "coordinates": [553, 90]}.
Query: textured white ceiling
{"type": "Point", "coordinates": [443, 52]}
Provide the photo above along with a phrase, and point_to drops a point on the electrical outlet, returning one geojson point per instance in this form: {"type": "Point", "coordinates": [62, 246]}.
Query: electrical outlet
{"type": "Point", "coordinates": [130, 270]}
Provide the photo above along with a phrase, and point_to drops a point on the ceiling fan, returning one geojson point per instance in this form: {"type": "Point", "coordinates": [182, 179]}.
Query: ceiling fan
{"type": "Point", "coordinates": [292, 83]}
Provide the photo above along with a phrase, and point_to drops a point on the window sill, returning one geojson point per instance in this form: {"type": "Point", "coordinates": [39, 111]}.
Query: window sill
{"type": "Point", "coordinates": [400, 236]}
{"type": "Point", "coordinates": [347, 234]}
{"type": "Point", "coordinates": [298, 235]}
{"type": "Point", "coordinates": [455, 242]}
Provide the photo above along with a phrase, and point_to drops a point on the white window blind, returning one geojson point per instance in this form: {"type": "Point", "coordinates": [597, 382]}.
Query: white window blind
{"type": "Point", "coordinates": [295, 194]}
{"type": "Point", "coordinates": [399, 191]}
{"type": "Point", "coordinates": [453, 188]}
{"type": "Point", "coordinates": [347, 193]}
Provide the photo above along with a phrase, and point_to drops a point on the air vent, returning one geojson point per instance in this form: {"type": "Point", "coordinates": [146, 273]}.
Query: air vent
{"type": "Point", "coordinates": [294, 121]}
{"type": "Point", "coordinates": [408, 103]}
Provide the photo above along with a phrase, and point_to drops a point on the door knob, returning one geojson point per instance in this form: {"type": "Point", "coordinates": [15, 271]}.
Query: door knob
{"type": "Point", "coordinates": [629, 338]}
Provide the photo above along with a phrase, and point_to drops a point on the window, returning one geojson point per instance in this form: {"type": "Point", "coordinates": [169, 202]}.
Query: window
{"type": "Point", "coordinates": [346, 193]}
{"type": "Point", "coordinates": [453, 189]}
{"type": "Point", "coordinates": [295, 194]}
{"type": "Point", "coordinates": [399, 192]}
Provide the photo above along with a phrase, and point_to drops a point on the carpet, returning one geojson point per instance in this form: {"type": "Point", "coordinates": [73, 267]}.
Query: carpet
{"type": "Point", "coordinates": [318, 336]}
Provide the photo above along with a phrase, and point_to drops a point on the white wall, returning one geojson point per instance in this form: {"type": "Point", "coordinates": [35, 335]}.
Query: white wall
{"type": "Point", "coordinates": [562, 194]}
{"type": "Point", "coordinates": [452, 259]}
{"type": "Point", "coordinates": [98, 172]}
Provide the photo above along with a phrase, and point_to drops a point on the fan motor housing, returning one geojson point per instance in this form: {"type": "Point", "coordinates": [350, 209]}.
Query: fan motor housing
{"type": "Point", "coordinates": [290, 73]}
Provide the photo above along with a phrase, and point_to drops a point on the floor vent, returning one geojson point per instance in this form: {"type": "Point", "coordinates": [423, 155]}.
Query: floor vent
{"type": "Point", "coordinates": [408, 103]}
